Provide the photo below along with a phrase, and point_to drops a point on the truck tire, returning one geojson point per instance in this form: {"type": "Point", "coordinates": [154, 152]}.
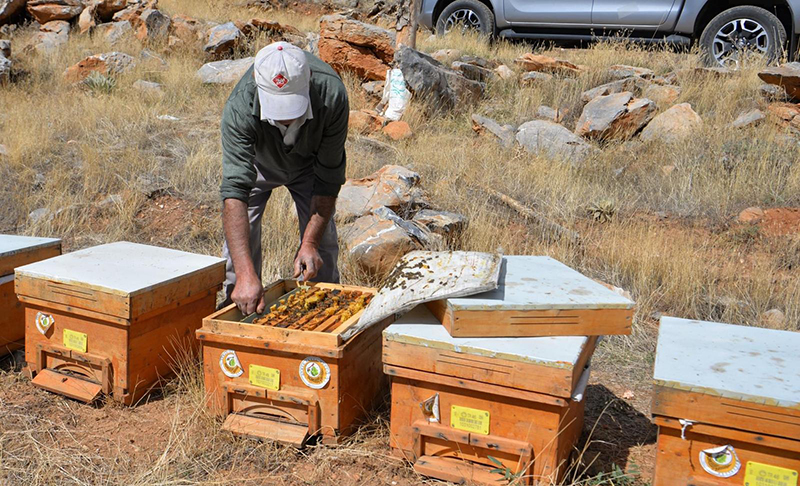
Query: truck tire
{"type": "Point", "coordinates": [741, 29]}
{"type": "Point", "coordinates": [469, 14]}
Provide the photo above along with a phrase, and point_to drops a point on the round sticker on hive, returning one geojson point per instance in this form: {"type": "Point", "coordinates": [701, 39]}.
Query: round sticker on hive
{"type": "Point", "coordinates": [43, 322]}
{"type": "Point", "coordinates": [721, 462]}
{"type": "Point", "coordinates": [314, 372]}
{"type": "Point", "coordinates": [230, 364]}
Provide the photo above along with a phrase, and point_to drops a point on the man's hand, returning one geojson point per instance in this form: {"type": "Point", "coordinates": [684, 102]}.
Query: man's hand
{"type": "Point", "coordinates": [308, 262]}
{"type": "Point", "coordinates": [248, 295]}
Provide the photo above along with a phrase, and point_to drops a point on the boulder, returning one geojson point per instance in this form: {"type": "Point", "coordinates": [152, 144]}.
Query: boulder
{"type": "Point", "coordinates": [479, 61]}
{"type": "Point", "coordinates": [48, 10]}
{"type": "Point", "coordinates": [547, 64]}
{"type": "Point", "coordinates": [616, 116]}
{"type": "Point", "coordinates": [443, 88]}
{"type": "Point", "coordinates": [772, 92]}
{"type": "Point", "coordinates": [553, 140]}
{"type": "Point", "coordinates": [751, 215]}
{"type": "Point", "coordinates": [87, 20]}
{"type": "Point", "coordinates": [397, 130]}
{"type": "Point", "coordinates": [189, 30]}
{"type": "Point", "coordinates": [786, 76]}
{"type": "Point", "coordinates": [52, 35]}
{"type": "Point", "coordinates": [222, 40]}
{"type": "Point", "coordinates": [504, 72]}
{"type": "Point", "coordinates": [673, 125]}
{"type": "Point", "coordinates": [273, 30]}
{"type": "Point", "coordinates": [148, 87]}
{"type": "Point", "coordinates": [751, 118]}
{"type": "Point", "coordinates": [9, 8]}
{"type": "Point", "coordinates": [153, 26]}
{"type": "Point", "coordinates": [113, 32]}
{"type": "Point", "coordinates": [106, 9]}
{"type": "Point", "coordinates": [773, 319]}
{"type": "Point", "coordinates": [633, 84]}
{"type": "Point", "coordinates": [224, 72]}
{"type": "Point", "coordinates": [109, 63]}
{"type": "Point", "coordinates": [392, 186]}
{"type": "Point", "coordinates": [474, 72]}
{"type": "Point", "coordinates": [5, 48]}
{"type": "Point", "coordinates": [664, 96]}
{"type": "Point", "coordinates": [374, 88]}
{"type": "Point", "coordinates": [547, 113]}
{"type": "Point", "coordinates": [349, 45]}
{"type": "Point", "coordinates": [450, 225]}
{"type": "Point", "coordinates": [376, 244]}
{"type": "Point", "coordinates": [505, 133]}
{"type": "Point", "coordinates": [621, 71]}
{"type": "Point", "coordinates": [533, 78]}
{"type": "Point", "coordinates": [365, 122]}
{"type": "Point", "coordinates": [783, 113]}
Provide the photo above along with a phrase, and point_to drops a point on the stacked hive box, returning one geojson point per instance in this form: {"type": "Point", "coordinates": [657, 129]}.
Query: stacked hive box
{"type": "Point", "coordinates": [16, 251]}
{"type": "Point", "coordinates": [111, 319]}
{"type": "Point", "coordinates": [292, 379]}
{"type": "Point", "coordinates": [727, 405]}
{"type": "Point", "coordinates": [468, 405]}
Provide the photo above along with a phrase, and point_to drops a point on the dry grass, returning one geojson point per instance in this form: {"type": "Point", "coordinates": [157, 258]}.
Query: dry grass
{"type": "Point", "coordinates": [671, 243]}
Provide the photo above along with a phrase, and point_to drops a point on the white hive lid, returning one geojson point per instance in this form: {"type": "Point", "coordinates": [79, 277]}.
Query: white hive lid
{"type": "Point", "coordinates": [538, 283]}
{"type": "Point", "coordinates": [13, 244]}
{"type": "Point", "coordinates": [419, 327]}
{"type": "Point", "coordinates": [120, 268]}
{"type": "Point", "coordinates": [739, 362]}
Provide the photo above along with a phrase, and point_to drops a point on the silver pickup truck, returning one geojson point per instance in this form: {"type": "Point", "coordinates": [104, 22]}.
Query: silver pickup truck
{"type": "Point", "coordinates": [724, 29]}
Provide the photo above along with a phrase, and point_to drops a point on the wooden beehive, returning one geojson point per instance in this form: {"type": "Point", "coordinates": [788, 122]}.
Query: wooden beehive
{"type": "Point", "coordinates": [16, 251]}
{"type": "Point", "coordinates": [290, 385]}
{"type": "Point", "coordinates": [517, 401]}
{"type": "Point", "coordinates": [727, 405]}
{"type": "Point", "coordinates": [537, 296]}
{"type": "Point", "coordinates": [112, 318]}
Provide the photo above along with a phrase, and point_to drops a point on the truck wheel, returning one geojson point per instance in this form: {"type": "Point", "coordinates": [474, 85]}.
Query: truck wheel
{"type": "Point", "coordinates": [741, 31]}
{"type": "Point", "coordinates": [465, 15]}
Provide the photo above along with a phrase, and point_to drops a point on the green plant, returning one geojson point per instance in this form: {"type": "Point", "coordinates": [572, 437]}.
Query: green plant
{"type": "Point", "coordinates": [508, 476]}
{"type": "Point", "coordinates": [617, 477]}
{"type": "Point", "coordinates": [100, 83]}
{"type": "Point", "coordinates": [602, 211]}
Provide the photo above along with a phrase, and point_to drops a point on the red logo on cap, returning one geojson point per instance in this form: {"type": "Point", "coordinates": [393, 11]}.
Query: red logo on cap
{"type": "Point", "coordinates": [280, 80]}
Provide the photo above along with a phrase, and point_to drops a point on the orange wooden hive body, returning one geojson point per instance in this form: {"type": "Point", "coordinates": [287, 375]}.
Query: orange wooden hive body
{"type": "Point", "coordinates": [16, 251]}
{"type": "Point", "coordinates": [113, 318]}
{"type": "Point", "coordinates": [727, 405]}
{"type": "Point", "coordinates": [518, 400]}
{"type": "Point", "coordinates": [288, 409]}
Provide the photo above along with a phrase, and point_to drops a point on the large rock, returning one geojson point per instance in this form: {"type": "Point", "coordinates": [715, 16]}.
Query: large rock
{"type": "Point", "coordinates": [9, 8]}
{"type": "Point", "coordinates": [673, 125]}
{"type": "Point", "coordinates": [443, 88]}
{"type": "Point", "coordinates": [553, 140]}
{"type": "Point", "coordinates": [113, 32]}
{"type": "Point", "coordinates": [5, 48]}
{"type": "Point", "coordinates": [505, 133]}
{"type": "Point", "coordinates": [87, 20]}
{"type": "Point", "coordinates": [224, 72]}
{"type": "Point", "coordinates": [663, 95]}
{"type": "Point", "coordinates": [622, 71]}
{"type": "Point", "coordinates": [52, 35]}
{"type": "Point", "coordinates": [365, 121]}
{"type": "Point", "coordinates": [48, 10]}
{"type": "Point", "coordinates": [376, 243]}
{"type": "Point", "coordinates": [153, 26]}
{"type": "Point", "coordinates": [547, 64]}
{"type": "Point", "coordinates": [474, 72]}
{"type": "Point", "coordinates": [189, 30]}
{"type": "Point", "coordinates": [398, 130]}
{"type": "Point", "coordinates": [106, 9]}
{"type": "Point", "coordinates": [787, 76]}
{"type": "Point", "coordinates": [273, 30]}
{"type": "Point", "coordinates": [450, 225]}
{"type": "Point", "coordinates": [616, 116]}
{"type": "Point", "coordinates": [222, 40]}
{"type": "Point", "coordinates": [633, 84]}
{"type": "Point", "coordinates": [349, 45]}
{"type": "Point", "coordinates": [392, 186]}
{"type": "Point", "coordinates": [109, 64]}
{"type": "Point", "coordinates": [751, 118]}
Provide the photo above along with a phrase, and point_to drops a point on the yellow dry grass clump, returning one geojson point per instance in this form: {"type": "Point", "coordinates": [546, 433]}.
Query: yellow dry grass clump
{"type": "Point", "coordinates": [672, 241]}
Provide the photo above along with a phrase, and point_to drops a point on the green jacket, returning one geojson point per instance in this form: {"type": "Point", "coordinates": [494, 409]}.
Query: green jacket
{"type": "Point", "coordinates": [247, 141]}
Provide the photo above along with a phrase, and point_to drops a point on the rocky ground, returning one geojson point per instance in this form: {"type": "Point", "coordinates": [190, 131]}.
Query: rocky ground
{"type": "Point", "coordinates": [641, 168]}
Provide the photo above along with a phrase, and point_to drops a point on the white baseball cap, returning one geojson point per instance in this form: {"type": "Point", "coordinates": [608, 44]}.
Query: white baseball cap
{"type": "Point", "coordinates": [282, 76]}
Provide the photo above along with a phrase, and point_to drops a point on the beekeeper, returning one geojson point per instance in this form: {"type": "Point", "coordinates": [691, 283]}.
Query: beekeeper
{"type": "Point", "coordinates": [284, 124]}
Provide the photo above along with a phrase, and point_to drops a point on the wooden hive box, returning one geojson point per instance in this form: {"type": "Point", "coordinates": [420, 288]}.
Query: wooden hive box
{"type": "Point", "coordinates": [727, 405]}
{"type": "Point", "coordinates": [260, 377]}
{"type": "Point", "coordinates": [537, 296]}
{"type": "Point", "coordinates": [111, 319]}
{"type": "Point", "coordinates": [518, 401]}
{"type": "Point", "coordinates": [16, 251]}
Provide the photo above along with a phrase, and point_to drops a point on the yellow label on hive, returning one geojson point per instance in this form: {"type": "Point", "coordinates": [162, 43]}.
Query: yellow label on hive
{"type": "Point", "coordinates": [268, 378]}
{"type": "Point", "coordinates": [469, 419]}
{"type": "Point", "coordinates": [76, 340]}
{"type": "Point", "coordinates": [757, 474]}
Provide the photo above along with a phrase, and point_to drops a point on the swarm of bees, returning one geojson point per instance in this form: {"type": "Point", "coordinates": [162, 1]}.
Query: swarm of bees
{"type": "Point", "coordinates": [313, 309]}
